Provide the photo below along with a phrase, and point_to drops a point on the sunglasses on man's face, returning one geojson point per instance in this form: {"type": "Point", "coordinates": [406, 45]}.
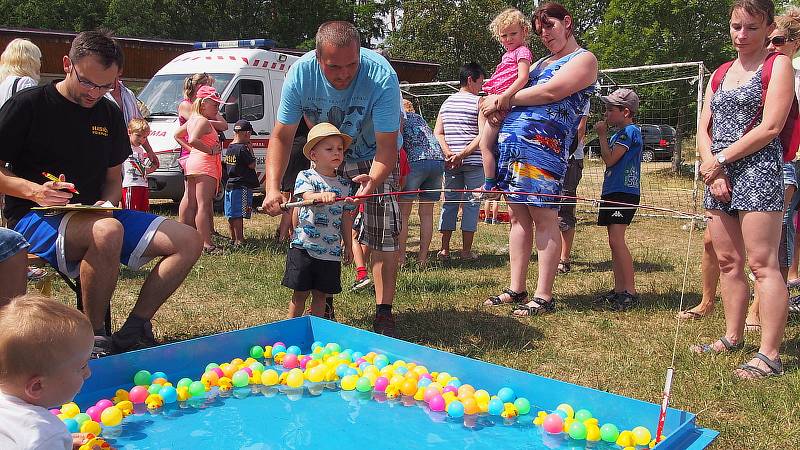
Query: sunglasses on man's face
{"type": "Point", "coordinates": [779, 40]}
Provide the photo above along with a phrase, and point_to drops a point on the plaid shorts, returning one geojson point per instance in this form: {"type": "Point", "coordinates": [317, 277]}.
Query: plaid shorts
{"type": "Point", "coordinates": [381, 217]}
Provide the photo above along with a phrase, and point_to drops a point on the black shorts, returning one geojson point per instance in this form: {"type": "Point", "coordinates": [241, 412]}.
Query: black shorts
{"type": "Point", "coordinates": [611, 213]}
{"type": "Point", "coordinates": [304, 273]}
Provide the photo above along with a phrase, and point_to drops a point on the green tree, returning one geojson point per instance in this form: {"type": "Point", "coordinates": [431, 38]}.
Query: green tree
{"type": "Point", "coordinates": [68, 15]}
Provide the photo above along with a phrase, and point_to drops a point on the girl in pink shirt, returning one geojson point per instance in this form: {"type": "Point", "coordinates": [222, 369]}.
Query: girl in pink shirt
{"type": "Point", "coordinates": [511, 28]}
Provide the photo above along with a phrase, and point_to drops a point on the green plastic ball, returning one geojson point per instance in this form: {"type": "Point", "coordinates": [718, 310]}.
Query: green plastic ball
{"type": "Point", "coordinates": [256, 366]}
{"type": "Point", "coordinates": [154, 388]}
{"type": "Point", "coordinates": [142, 378]}
{"type": "Point", "coordinates": [523, 405]}
{"type": "Point", "coordinates": [582, 414]}
{"type": "Point", "coordinates": [211, 366]}
{"type": "Point", "coordinates": [363, 385]}
{"type": "Point", "coordinates": [81, 417]}
{"type": "Point", "coordinates": [197, 389]}
{"type": "Point", "coordinates": [184, 382]}
{"type": "Point", "coordinates": [609, 432]}
{"type": "Point", "coordinates": [577, 430]}
{"type": "Point", "coordinates": [257, 352]}
{"type": "Point", "coordinates": [240, 378]}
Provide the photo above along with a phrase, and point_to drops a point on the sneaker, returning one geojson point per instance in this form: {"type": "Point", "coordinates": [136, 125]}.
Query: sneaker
{"type": "Point", "coordinates": [103, 346]}
{"type": "Point", "coordinates": [624, 301]}
{"type": "Point", "coordinates": [384, 324]}
{"type": "Point", "coordinates": [361, 283]}
{"type": "Point", "coordinates": [604, 299]}
{"type": "Point", "coordinates": [132, 339]}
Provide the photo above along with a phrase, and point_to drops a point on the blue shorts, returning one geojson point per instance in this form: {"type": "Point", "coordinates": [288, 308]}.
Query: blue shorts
{"type": "Point", "coordinates": [11, 243]}
{"type": "Point", "coordinates": [426, 175]}
{"type": "Point", "coordinates": [46, 234]}
{"type": "Point", "coordinates": [789, 174]}
{"type": "Point", "coordinates": [238, 202]}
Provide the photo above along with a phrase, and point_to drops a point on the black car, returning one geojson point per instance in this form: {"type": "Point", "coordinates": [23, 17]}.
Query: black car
{"type": "Point", "coordinates": [658, 143]}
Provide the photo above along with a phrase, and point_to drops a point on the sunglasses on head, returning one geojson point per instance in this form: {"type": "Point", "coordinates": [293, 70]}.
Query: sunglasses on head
{"type": "Point", "coordinates": [779, 40]}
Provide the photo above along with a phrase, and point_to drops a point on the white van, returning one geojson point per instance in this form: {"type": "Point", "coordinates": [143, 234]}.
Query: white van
{"type": "Point", "coordinates": [249, 78]}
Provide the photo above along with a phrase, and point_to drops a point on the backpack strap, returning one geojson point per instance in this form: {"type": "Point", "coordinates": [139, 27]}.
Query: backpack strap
{"type": "Point", "coordinates": [719, 74]}
{"type": "Point", "coordinates": [766, 74]}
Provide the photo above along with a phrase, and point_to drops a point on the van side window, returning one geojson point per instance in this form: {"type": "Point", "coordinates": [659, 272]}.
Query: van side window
{"type": "Point", "coordinates": [248, 101]}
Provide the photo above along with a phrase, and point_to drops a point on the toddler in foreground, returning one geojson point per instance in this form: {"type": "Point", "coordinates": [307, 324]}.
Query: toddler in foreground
{"type": "Point", "coordinates": [313, 262]}
{"type": "Point", "coordinates": [44, 356]}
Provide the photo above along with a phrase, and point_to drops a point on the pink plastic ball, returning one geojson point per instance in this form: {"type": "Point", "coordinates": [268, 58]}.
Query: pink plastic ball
{"type": "Point", "coordinates": [304, 361]}
{"type": "Point", "coordinates": [430, 393]}
{"type": "Point", "coordinates": [249, 371]}
{"type": "Point", "coordinates": [55, 411]}
{"type": "Point", "coordinates": [279, 343]}
{"type": "Point", "coordinates": [94, 412]}
{"type": "Point", "coordinates": [426, 375]}
{"type": "Point", "coordinates": [103, 404]}
{"type": "Point", "coordinates": [359, 361]}
{"type": "Point", "coordinates": [553, 424]}
{"type": "Point", "coordinates": [138, 394]}
{"type": "Point", "coordinates": [450, 388]}
{"type": "Point", "coordinates": [218, 371]}
{"type": "Point", "coordinates": [436, 403]}
{"type": "Point", "coordinates": [290, 361]}
{"type": "Point", "coordinates": [380, 384]}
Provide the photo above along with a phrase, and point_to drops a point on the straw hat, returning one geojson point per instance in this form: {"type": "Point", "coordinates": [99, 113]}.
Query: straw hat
{"type": "Point", "coordinates": [320, 132]}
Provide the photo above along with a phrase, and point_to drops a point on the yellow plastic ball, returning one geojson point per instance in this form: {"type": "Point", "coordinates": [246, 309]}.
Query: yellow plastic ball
{"type": "Point", "coordinates": [316, 374]}
{"type": "Point", "coordinates": [372, 377]}
{"type": "Point", "coordinates": [419, 370]}
{"type": "Point", "coordinates": [70, 410]}
{"type": "Point", "coordinates": [249, 361]}
{"type": "Point", "coordinates": [399, 363]}
{"type": "Point", "coordinates": [236, 361]}
{"type": "Point", "coordinates": [626, 439]}
{"type": "Point", "coordinates": [183, 393]}
{"type": "Point", "coordinates": [443, 378]}
{"type": "Point", "coordinates": [90, 426]}
{"type": "Point", "coordinates": [269, 377]}
{"type": "Point", "coordinates": [396, 380]}
{"type": "Point", "coordinates": [349, 382]}
{"type": "Point", "coordinates": [111, 416]}
{"type": "Point", "coordinates": [481, 395]}
{"type": "Point", "coordinates": [641, 435]}
{"type": "Point", "coordinates": [295, 378]}
{"type": "Point", "coordinates": [420, 395]}
{"type": "Point", "coordinates": [567, 408]}
{"type": "Point", "coordinates": [62, 416]}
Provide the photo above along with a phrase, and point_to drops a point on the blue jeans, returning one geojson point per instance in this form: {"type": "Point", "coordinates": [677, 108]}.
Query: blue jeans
{"type": "Point", "coordinates": [426, 175]}
{"type": "Point", "coordinates": [786, 249]}
{"type": "Point", "coordinates": [11, 243]}
{"type": "Point", "coordinates": [464, 177]}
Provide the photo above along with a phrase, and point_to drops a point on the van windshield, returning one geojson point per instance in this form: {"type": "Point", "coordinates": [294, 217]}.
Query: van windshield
{"type": "Point", "coordinates": [163, 93]}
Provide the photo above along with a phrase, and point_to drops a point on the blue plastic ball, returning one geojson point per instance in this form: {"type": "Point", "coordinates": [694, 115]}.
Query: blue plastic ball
{"type": "Point", "coordinates": [507, 395]}
{"type": "Point", "coordinates": [357, 355]}
{"type": "Point", "coordinates": [381, 363]}
{"type": "Point", "coordinates": [278, 349]}
{"type": "Point", "coordinates": [169, 394]}
{"type": "Point", "coordinates": [293, 349]}
{"type": "Point", "coordinates": [455, 409]}
{"type": "Point", "coordinates": [423, 382]}
{"type": "Point", "coordinates": [402, 370]}
{"type": "Point", "coordinates": [341, 369]}
{"type": "Point", "coordinates": [363, 366]}
{"type": "Point", "coordinates": [351, 371]}
{"type": "Point", "coordinates": [157, 375]}
{"type": "Point", "coordinates": [455, 382]}
{"type": "Point", "coordinates": [315, 345]}
{"type": "Point", "coordinates": [495, 406]}
{"type": "Point", "coordinates": [561, 413]}
{"type": "Point", "coordinates": [72, 425]}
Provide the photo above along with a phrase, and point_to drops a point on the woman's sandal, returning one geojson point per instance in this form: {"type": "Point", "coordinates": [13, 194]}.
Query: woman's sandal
{"type": "Point", "coordinates": [542, 306]}
{"type": "Point", "coordinates": [516, 297]}
{"type": "Point", "coordinates": [212, 251]}
{"type": "Point", "coordinates": [564, 267]}
{"type": "Point", "coordinates": [756, 373]}
{"type": "Point", "coordinates": [690, 315]}
{"type": "Point", "coordinates": [709, 348]}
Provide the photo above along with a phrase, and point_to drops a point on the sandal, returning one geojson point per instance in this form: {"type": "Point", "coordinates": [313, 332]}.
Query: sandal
{"type": "Point", "coordinates": [756, 373]}
{"type": "Point", "coordinates": [516, 297]}
{"type": "Point", "coordinates": [564, 267]}
{"type": "Point", "coordinates": [689, 315]}
{"type": "Point", "coordinates": [794, 305]}
{"type": "Point", "coordinates": [212, 250]}
{"type": "Point", "coordinates": [709, 348]}
{"type": "Point", "coordinates": [540, 306]}
{"type": "Point", "coordinates": [441, 255]}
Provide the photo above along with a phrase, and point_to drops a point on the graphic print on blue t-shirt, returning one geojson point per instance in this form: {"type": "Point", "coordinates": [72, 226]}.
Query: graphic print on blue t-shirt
{"type": "Point", "coordinates": [624, 176]}
{"type": "Point", "coordinates": [319, 227]}
{"type": "Point", "coordinates": [370, 104]}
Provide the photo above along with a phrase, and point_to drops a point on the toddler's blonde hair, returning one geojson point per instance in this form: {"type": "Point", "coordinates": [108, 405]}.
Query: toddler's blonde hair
{"type": "Point", "coordinates": [508, 17]}
{"type": "Point", "coordinates": [138, 125]}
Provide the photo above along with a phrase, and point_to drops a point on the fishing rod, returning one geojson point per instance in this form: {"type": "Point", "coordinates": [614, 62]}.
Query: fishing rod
{"type": "Point", "coordinates": [288, 205]}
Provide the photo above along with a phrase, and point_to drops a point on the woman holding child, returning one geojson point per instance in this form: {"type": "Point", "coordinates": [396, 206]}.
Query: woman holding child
{"type": "Point", "coordinates": [532, 153]}
{"type": "Point", "coordinates": [742, 168]}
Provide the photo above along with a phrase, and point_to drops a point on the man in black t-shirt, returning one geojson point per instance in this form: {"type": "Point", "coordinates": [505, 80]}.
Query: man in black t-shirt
{"type": "Point", "coordinates": [67, 128]}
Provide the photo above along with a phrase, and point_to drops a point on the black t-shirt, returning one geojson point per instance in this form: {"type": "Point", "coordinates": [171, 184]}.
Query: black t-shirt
{"type": "Point", "coordinates": [41, 131]}
{"type": "Point", "coordinates": [238, 158]}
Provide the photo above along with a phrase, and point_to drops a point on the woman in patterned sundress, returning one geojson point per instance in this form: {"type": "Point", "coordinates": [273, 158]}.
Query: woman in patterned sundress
{"type": "Point", "coordinates": [532, 154]}
{"type": "Point", "coordinates": [742, 170]}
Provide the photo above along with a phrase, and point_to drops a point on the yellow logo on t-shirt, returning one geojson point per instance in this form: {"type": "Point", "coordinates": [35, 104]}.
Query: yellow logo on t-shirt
{"type": "Point", "coordinates": [99, 131]}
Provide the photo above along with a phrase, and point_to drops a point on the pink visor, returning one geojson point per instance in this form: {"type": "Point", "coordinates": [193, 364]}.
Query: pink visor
{"type": "Point", "coordinates": [208, 92]}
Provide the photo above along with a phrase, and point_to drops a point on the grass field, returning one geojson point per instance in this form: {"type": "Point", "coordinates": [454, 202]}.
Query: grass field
{"type": "Point", "coordinates": [624, 353]}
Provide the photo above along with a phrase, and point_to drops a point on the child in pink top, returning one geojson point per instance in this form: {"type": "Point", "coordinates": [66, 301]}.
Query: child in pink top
{"type": "Point", "coordinates": [511, 28]}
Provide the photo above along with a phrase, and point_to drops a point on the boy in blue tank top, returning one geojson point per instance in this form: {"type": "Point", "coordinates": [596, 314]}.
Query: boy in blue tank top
{"type": "Point", "coordinates": [622, 154]}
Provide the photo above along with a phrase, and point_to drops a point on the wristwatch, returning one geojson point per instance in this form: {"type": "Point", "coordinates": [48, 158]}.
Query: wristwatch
{"type": "Point", "coordinates": [721, 159]}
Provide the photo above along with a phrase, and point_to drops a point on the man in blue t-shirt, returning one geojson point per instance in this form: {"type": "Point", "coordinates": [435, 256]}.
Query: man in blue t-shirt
{"type": "Point", "coordinates": [356, 90]}
{"type": "Point", "coordinates": [622, 154]}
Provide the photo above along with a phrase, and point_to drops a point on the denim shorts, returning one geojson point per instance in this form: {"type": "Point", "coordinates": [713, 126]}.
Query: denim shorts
{"type": "Point", "coordinates": [11, 243]}
{"type": "Point", "coordinates": [789, 174]}
{"type": "Point", "coordinates": [426, 175]}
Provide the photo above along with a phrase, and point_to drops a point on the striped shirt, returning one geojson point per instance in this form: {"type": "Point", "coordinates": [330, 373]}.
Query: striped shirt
{"type": "Point", "coordinates": [460, 122]}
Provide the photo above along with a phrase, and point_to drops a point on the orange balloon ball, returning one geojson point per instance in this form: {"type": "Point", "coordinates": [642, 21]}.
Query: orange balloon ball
{"type": "Point", "coordinates": [470, 406]}
{"type": "Point", "coordinates": [408, 387]}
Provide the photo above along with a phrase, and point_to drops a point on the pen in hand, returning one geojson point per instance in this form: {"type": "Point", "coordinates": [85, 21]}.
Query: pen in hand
{"type": "Point", "coordinates": [55, 179]}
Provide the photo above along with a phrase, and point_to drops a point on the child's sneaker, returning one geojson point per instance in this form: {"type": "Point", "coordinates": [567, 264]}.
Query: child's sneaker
{"type": "Point", "coordinates": [384, 324]}
{"type": "Point", "coordinates": [361, 282]}
{"type": "Point", "coordinates": [103, 346]}
{"type": "Point", "coordinates": [624, 301]}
